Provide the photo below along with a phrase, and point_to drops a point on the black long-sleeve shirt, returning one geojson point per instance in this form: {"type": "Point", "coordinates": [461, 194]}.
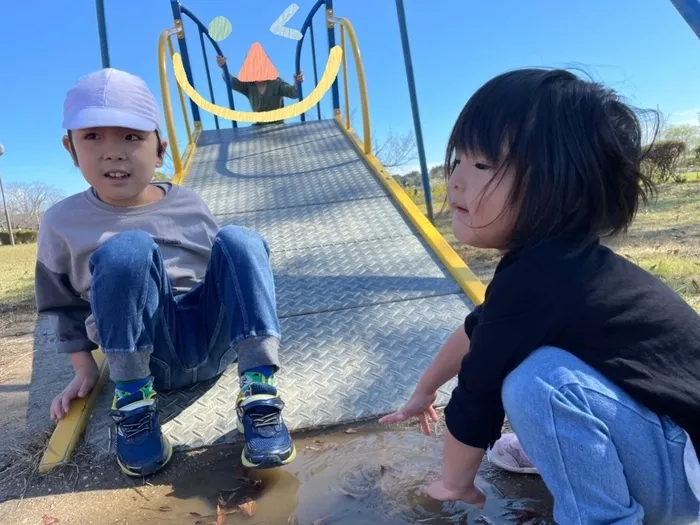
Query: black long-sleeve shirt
{"type": "Point", "coordinates": [593, 303]}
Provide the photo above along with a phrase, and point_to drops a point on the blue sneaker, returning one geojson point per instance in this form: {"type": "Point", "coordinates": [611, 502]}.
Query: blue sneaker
{"type": "Point", "coordinates": [142, 449]}
{"type": "Point", "coordinates": [267, 440]}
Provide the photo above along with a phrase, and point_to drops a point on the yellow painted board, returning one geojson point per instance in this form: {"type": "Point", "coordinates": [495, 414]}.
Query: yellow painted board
{"type": "Point", "coordinates": [68, 430]}
{"type": "Point", "coordinates": [293, 110]}
{"type": "Point", "coordinates": [469, 282]}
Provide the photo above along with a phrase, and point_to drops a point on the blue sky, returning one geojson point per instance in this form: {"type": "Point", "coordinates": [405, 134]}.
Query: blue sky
{"type": "Point", "coordinates": [643, 49]}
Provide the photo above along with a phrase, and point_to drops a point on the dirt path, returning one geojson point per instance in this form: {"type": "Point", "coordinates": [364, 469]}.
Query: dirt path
{"type": "Point", "coordinates": [367, 475]}
{"type": "Point", "coordinates": [359, 477]}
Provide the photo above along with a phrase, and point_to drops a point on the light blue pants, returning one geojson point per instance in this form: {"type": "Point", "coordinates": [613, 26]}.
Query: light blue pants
{"type": "Point", "coordinates": [605, 458]}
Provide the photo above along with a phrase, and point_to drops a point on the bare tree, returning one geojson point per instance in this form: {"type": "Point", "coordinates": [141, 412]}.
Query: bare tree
{"type": "Point", "coordinates": [395, 150]}
{"type": "Point", "coordinates": [27, 202]}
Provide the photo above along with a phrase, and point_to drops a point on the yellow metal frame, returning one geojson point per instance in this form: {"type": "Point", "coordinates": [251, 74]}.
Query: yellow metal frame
{"type": "Point", "coordinates": [470, 283]}
{"type": "Point", "coordinates": [67, 433]}
{"type": "Point", "coordinates": [181, 163]}
{"type": "Point", "coordinates": [346, 26]}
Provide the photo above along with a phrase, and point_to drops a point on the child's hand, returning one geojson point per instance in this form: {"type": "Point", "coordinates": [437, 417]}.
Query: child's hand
{"type": "Point", "coordinates": [220, 61]}
{"type": "Point", "coordinates": [83, 382]}
{"type": "Point", "coordinates": [421, 406]}
{"type": "Point", "coordinates": [470, 494]}
{"type": "Point", "coordinates": [299, 77]}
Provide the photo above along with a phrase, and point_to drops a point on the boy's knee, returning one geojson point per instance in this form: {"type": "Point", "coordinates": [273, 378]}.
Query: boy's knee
{"type": "Point", "coordinates": [240, 240]}
{"type": "Point", "coordinates": [122, 250]}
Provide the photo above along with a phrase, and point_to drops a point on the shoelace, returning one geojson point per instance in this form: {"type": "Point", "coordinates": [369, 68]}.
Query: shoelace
{"type": "Point", "coordinates": [132, 429]}
{"type": "Point", "coordinates": [265, 420]}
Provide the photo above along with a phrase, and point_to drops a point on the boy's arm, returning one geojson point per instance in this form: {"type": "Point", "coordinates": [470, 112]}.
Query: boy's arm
{"type": "Point", "coordinates": [56, 296]}
{"type": "Point", "coordinates": [288, 90]}
{"type": "Point", "coordinates": [236, 84]}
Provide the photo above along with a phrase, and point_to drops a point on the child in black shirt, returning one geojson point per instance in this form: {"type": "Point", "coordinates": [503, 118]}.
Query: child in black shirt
{"type": "Point", "coordinates": [595, 362]}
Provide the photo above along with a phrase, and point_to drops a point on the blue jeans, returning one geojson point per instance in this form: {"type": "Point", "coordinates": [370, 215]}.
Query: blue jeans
{"type": "Point", "coordinates": [605, 458]}
{"type": "Point", "coordinates": [145, 329]}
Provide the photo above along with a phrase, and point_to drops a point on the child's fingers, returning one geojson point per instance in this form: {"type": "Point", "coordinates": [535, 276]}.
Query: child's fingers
{"type": "Point", "coordinates": [56, 412]}
{"type": "Point", "coordinates": [424, 424]}
{"type": "Point", "coordinates": [396, 417]}
{"type": "Point", "coordinates": [84, 389]}
{"type": "Point", "coordinates": [433, 415]}
{"type": "Point", "coordinates": [65, 403]}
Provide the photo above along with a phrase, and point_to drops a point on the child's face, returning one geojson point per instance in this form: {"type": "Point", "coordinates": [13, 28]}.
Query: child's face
{"type": "Point", "coordinates": [478, 217]}
{"type": "Point", "coordinates": [118, 162]}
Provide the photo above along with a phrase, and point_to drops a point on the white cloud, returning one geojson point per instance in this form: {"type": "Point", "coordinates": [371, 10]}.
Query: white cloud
{"type": "Point", "coordinates": [408, 168]}
{"type": "Point", "coordinates": [684, 116]}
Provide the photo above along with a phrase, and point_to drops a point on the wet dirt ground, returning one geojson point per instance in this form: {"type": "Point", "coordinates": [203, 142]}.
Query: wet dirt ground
{"type": "Point", "coordinates": [363, 474]}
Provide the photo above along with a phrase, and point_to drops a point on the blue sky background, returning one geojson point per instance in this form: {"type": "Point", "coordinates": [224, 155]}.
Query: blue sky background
{"type": "Point", "coordinates": [643, 49]}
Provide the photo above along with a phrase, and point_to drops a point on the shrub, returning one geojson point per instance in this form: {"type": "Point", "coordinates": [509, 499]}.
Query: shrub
{"type": "Point", "coordinates": [663, 159]}
{"type": "Point", "coordinates": [21, 237]}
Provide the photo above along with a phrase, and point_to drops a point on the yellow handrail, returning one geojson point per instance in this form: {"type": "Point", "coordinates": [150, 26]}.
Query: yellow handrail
{"type": "Point", "coordinates": [182, 99]}
{"type": "Point", "coordinates": [181, 162]}
{"type": "Point", "coordinates": [366, 132]}
{"type": "Point", "coordinates": [165, 93]}
{"type": "Point", "coordinates": [345, 77]}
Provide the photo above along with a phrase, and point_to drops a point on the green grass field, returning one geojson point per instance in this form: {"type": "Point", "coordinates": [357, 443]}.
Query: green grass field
{"type": "Point", "coordinates": [17, 271]}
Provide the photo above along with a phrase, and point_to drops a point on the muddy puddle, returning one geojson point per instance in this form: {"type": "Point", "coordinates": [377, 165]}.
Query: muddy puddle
{"type": "Point", "coordinates": [351, 477]}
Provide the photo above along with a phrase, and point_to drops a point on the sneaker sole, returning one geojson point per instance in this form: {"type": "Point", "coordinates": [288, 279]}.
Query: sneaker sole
{"type": "Point", "coordinates": [271, 461]}
{"type": "Point", "coordinates": [153, 470]}
{"type": "Point", "coordinates": [509, 468]}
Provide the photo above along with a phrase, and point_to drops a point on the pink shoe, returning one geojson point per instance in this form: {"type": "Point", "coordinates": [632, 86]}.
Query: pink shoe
{"type": "Point", "coordinates": [507, 454]}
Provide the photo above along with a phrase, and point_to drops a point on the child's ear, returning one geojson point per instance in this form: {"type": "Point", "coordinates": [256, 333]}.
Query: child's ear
{"type": "Point", "coordinates": [69, 149]}
{"type": "Point", "coordinates": [164, 144]}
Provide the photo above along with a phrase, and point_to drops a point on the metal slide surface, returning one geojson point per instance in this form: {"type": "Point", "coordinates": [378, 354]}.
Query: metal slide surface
{"type": "Point", "coordinates": [364, 302]}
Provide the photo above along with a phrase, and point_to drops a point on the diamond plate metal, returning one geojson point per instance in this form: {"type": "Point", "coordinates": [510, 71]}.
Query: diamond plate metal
{"type": "Point", "coordinates": [260, 138]}
{"type": "Point", "coordinates": [325, 224]}
{"type": "Point", "coordinates": [364, 304]}
{"type": "Point", "coordinates": [337, 367]}
{"type": "Point", "coordinates": [357, 274]}
{"type": "Point", "coordinates": [317, 167]}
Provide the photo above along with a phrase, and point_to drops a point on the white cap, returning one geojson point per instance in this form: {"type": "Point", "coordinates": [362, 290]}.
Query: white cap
{"type": "Point", "coordinates": [110, 97]}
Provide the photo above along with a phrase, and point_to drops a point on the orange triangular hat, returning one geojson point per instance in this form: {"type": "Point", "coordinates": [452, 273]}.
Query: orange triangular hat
{"type": "Point", "coordinates": [257, 67]}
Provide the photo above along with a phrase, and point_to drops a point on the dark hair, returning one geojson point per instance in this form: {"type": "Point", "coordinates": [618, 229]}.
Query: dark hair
{"type": "Point", "coordinates": [160, 150]}
{"type": "Point", "coordinates": [574, 147]}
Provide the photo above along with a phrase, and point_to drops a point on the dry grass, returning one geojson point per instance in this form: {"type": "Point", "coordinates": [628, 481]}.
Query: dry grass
{"type": "Point", "coordinates": [664, 239]}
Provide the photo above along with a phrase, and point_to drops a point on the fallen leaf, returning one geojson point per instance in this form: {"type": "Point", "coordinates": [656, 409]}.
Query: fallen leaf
{"type": "Point", "coordinates": [351, 431]}
{"type": "Point", "coordinates": [49, 520]}
{"type": "Point", "coordinates": [164, 508]}
{"type": "Point", "coordinates": [248, 508]}
{"type": "Point", "coordinates": [382, 469]}
{"type": "Point", "coordinates": [695, 285]}
{"type": "Point", "coordinates": [320, 446]}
